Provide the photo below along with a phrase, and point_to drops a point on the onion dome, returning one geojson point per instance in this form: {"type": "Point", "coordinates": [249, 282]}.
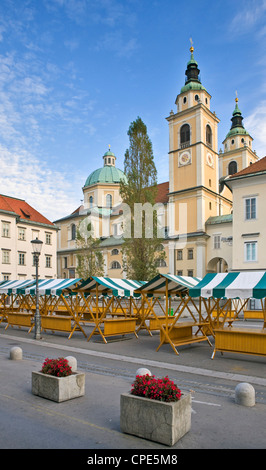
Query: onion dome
{"type": "Point", "coordinates": [192, 75]}
{"type": "Point", "coordinates": [237, 124]}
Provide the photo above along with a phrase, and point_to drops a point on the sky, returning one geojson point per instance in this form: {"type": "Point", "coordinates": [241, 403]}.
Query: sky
{"type": "Point", "coordinates": [75, 73]}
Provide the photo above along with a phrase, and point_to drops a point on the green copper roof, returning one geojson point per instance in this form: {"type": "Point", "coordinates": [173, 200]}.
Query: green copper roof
{"type": "Point", "coordinates": [237, 127]}
{"type": "Point", "coordinates": [219, 219]}
{"type": "Point", "coordinates": [192, 72]}
{"type": "Point", "coordinates": [237, 131]}
{"type": "Point", "coordinates": [192, 60]}
{"type": "Point", "coordinates": [109, 153]}
{"type": "Point", "coordinates": [236, 110]}
{"type": "Point", "coordinates": [107, 174]}
{"type": "Point", "coordinates": [192, 86]}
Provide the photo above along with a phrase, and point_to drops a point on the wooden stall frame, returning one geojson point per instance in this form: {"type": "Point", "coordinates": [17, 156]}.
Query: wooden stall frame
{"type": "Point", "coordinates": [220, 296]}
{"type": "Point", "coordinates": [99, 318]}
{"type": "Point", "coordinates": [198, 336]}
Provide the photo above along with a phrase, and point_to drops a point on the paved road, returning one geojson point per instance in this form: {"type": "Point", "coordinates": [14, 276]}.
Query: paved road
{"type": "Point", "coordinates": [92, 422]}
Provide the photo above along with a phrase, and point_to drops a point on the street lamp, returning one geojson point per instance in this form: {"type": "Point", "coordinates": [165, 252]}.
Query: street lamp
{"type": "Point", "coordinates": [37, 247]}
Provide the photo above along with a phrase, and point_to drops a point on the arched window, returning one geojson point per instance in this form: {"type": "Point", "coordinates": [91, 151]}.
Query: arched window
{"type": "Point", "coordinates": [73, 232]}
{"type": "Point", "coordinates": [160, 263]}
{"type": "Point", "coordinates": [90, 201]}
{"type": "Point", "coordinates": [185, 136]}
{"type": "Point", "coordinates": [115, 265]}
{"type": "Point", "coordinates": [109, 200]}
{"type": "Point", "coordinates": [232, 168]}
{"type": "Point", "coordinates": [115, 251]}
{"type": "Point", "coordinates": [208, 135]}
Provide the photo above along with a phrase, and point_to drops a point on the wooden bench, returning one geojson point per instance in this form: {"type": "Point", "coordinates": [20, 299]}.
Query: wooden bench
{"type": "Point", "coordinates": [64, 323]}
{"type": "Point", "coordinates": [20, 319]}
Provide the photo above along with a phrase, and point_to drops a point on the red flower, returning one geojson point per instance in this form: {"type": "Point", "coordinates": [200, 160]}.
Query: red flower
{"type": "Point", "coordinates": [157, 389]}
{"type": "Point", "coordinates": [56, 367]}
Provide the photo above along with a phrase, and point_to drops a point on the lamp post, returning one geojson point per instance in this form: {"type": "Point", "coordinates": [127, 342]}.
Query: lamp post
{"type": "Point", "coordinates": [37, 247]}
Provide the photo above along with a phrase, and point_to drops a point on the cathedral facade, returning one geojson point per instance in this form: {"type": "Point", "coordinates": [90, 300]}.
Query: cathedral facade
{"type": "Point", "coordinates": [195, 205]}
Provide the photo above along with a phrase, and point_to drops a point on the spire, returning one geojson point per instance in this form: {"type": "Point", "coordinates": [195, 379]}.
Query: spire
{"type": "Point", "coordinates": [237, 124]}
{"type": "Point", "coordinates": [237, 116]}
{"type": "Point", "coordinates": [192, 71]}
{"type": "Point", "coordinates": [192, 81]}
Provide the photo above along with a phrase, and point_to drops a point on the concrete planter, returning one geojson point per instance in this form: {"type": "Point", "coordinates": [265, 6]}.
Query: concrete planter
{"type": "Point", "coordinates": [155, 420]}
{"type": "Point", "coordinates": [58, 388]}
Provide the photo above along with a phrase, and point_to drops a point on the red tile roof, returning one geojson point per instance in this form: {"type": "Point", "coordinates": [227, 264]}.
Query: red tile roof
{"type": "Point", "coordinates": [256, 167]}
{"type": "Point", "coordinates": [22, 209]}
{"type": "Point", "coordinates": [162, 194]}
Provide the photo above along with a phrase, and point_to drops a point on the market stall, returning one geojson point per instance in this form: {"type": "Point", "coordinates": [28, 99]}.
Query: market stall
{"type": "Point", "coordinates": [217, 292]}
{"type": "Point", "coordinates": [174, 330]}
{"type": "Point", "coordinates": [56, 311]}
{"type": "Point", "coordinates": [110, 305]}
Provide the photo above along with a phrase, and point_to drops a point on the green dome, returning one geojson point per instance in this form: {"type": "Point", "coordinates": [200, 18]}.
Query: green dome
{"type": "Point", "coordinates": [192, 86]}
{"type": "Point", "coordinates": [237, 131]}
{"type": "Point", "coordinates": [237, 127]}
{"type": "Point", "coordinates": [109, 153]}
{"type": "Point", "coordinates": [107, 174]}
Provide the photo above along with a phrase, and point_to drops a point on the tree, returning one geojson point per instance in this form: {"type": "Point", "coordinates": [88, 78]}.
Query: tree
{"type": "Point", "coordinates": [90, 258]}
{"type": "Point", "coordinates": [142, 248]}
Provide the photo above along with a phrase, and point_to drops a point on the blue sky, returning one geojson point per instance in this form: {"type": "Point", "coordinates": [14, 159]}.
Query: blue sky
{"type": "Point", "coordinates": [75, 73]}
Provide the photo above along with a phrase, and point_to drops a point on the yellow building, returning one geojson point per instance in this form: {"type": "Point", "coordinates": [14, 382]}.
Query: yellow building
{"type": "Point", "coordinates": [193, 173]}
{"type": "Point", "coordinates": [195, 204]}
{"type": "Point", "coordinates": [101, 208]}
{"type": "Point", "coordinates": [248, 227]}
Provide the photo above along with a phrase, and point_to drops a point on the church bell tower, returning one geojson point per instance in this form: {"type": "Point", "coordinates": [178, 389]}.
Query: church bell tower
{"type": "Point", "coordinates": [193, 165]}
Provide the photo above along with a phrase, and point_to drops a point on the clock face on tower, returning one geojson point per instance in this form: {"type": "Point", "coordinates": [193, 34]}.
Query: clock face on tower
{"type": "Point", "coordinates": [184, 158]}
{"type": "Point", "coordinates": [209, 159]}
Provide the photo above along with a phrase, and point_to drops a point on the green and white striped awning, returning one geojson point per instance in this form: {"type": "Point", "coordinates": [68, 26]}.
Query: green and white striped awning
{"type": "Point", "coordinates": [53, 286]}
{"type": "Point", "coordinates": [46, 286]}
{"type": "Point", "coordinates": [113, 286]}
{"type": "Point", "coordinates": [14, 287]}
{"type": "Point", "coordinates": [176, 284]}
{"type": "Point", "coordinates": [241, 285]}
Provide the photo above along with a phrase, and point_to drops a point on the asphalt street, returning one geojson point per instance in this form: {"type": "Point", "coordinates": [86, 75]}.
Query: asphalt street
{"type": "Point", "coordinates": [92, 423]}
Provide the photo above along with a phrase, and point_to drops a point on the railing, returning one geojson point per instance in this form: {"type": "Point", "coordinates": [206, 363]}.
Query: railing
{"type": "Point", "coordinates": [185, 145]}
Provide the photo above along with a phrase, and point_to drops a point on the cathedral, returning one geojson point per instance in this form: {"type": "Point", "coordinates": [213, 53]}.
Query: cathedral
{"type": "Point", "coordinates": [196, 203]}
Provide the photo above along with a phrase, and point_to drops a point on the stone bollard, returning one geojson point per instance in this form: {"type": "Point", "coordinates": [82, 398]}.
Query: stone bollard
{"type": "Point", "coordinates": [143, 371]}
{"type": "Point", "coordinates": [16, 353]}
{"type": "Point", "coordinates": [245, 394]}
{"type": "Point", "coordinates": [72, 362]}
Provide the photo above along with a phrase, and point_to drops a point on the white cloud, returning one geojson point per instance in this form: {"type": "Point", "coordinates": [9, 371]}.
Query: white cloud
{"type": "Point", "coordinates": [114, 41]}
{"type": "Point", "coordinates": [50, 192]}
{"type": "Point", "coordinates": [250, 14]}
{"type": "Point", "coordinates": [255, 123]}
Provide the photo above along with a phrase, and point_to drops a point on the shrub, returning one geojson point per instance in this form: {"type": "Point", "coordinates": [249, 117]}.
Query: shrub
{"type": "Point", "coordinates": [57, 367]}
{"type": "Point", "coordinates": [157, 389]}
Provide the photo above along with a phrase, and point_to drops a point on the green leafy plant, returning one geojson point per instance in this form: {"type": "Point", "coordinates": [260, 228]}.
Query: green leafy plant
{"type": "Point", "coordinates": [56, 367]}
{"type": "Point", "coordinates": [157, 389]}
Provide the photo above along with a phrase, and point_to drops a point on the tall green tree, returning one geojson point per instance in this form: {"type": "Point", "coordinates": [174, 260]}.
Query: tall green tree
{"type": "Point", "coordinates": [89, 257]}
{"type": "Point", "coordinates": [142, 248]}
